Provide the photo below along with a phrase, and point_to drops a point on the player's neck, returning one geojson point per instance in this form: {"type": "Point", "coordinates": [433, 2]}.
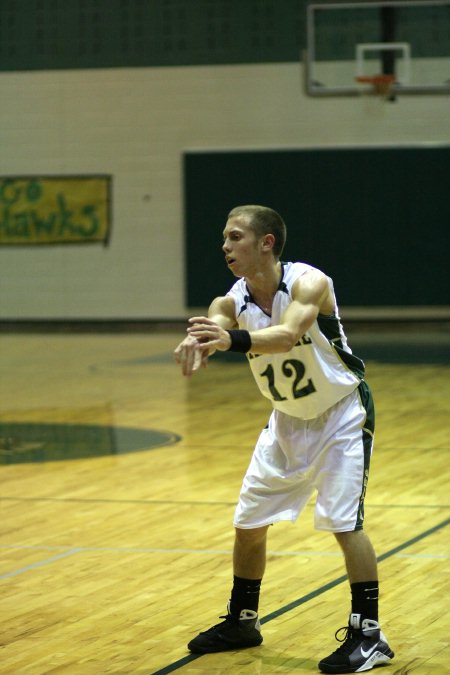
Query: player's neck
{"type": "Point", "coordinates": [265, 282]}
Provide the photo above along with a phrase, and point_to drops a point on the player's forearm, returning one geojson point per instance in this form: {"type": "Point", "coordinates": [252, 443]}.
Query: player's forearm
{"type": "Point", "coordinates": [273, 340]}
{"type": "Point", "coordinates": [284, 336]}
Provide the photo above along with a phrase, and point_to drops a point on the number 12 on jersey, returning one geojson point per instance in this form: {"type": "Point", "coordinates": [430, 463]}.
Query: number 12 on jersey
{"type": "Point", "coordinates": [291, 368]}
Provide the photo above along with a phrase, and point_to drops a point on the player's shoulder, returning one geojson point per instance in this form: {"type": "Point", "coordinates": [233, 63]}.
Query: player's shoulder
{"type": "Point", "coordinates": [222, 307]}
{"type": "Point", "coordinates": [223, 302]}
{"type": "Point", "coordinates": [302, 278]}
{"type": "Point", "coordinates": [293, 271]}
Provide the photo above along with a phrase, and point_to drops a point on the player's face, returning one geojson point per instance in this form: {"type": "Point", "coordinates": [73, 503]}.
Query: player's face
{"type": "Point", "coordinates": [241, 248]}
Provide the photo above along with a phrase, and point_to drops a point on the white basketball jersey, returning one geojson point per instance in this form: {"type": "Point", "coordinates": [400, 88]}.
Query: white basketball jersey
{"type": "Point", "coordinates": [317, 372]}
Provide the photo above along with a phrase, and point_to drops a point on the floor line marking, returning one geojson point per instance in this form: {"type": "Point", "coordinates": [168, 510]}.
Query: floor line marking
{"type": "Point", "coordinates": [40, 563]}
{"type": "Point", "coordinates": [310, 596]}
{"type": "Point", "coordinates": [95, 500]}
{"type": "Point", "coordinates": [227, 552]}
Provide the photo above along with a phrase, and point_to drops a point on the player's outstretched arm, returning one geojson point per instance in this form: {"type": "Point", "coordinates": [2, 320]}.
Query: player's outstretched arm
{"type": "Point", "coordinates": [310, 293]}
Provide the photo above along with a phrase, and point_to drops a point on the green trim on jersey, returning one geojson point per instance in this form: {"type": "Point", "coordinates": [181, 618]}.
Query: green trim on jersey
{"type": "Point", "coordinates": [330, 326]}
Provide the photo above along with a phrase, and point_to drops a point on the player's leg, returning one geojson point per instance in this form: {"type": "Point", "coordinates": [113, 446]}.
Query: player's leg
{"type": "Point", "coordinates": [360, 557]}
{"type": "Point", "coordinates": [240, 628]}
{"type": "Point", "coordinates": [275, 487]}
{"type": "Point", "coordinates": [267, 496]}
{"type": "Point", "coordinates": [340, 509]}
{"type": "Point", "coordinates": [249, 554]}
{"type": "Point", "coordinates": [362, 572]}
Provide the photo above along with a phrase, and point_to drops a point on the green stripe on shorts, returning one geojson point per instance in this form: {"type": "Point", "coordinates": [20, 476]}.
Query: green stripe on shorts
{"type": "Point", "coordinates": [368, 430]}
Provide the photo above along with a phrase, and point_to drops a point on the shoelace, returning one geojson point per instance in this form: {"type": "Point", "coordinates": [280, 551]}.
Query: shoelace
{"type": "Point", "coordinates": [228, 619]}
{"type": "Point", "coordinates": [350, 640]}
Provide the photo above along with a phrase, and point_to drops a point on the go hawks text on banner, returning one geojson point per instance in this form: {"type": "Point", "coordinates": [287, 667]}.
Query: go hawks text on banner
{"type": "Point", "coordinates": [55, 209]}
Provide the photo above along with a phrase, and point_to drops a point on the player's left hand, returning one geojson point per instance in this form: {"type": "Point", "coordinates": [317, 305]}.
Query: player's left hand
{"type": "Point", "coordinates": [207, 332]}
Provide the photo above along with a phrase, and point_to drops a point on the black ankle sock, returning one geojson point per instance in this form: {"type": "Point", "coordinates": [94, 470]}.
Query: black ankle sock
{"type": "Point", "coordinates": [245, 595]}
{"type": "Point", "coordinates": [365, 599]}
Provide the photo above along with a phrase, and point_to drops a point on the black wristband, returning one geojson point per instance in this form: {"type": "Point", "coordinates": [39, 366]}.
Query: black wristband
{"type": "Point", "coordinates": [240, 341]}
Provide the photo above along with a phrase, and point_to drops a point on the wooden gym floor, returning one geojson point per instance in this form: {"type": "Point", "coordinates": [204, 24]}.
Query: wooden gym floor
{"type": "Point", "coordinates": [111, 560]}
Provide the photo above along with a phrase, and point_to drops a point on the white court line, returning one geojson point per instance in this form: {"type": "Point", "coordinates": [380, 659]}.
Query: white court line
{"type": "Point", "coordinates": [40, 563]}
{"type": "Point", "coordinates": [117, 549]}
{"type": "Point", "coordinates": [184, 502]}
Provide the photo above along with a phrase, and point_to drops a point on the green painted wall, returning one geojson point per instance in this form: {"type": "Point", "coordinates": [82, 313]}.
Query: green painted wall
{"type": "Point", "coordinates": [376, 220]}
{"type": "Point", "coordinates": [48, 34]}
{"type": "Point", "coordinates": [56, 34]}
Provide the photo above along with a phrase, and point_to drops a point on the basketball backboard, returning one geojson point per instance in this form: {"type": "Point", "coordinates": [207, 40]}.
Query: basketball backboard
{"type": "Point", "coordinates": [405, 38]}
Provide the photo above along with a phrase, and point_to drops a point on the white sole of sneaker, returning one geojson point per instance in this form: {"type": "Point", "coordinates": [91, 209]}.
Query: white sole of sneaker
{"type": "Point", "coordinates": [376, 659]}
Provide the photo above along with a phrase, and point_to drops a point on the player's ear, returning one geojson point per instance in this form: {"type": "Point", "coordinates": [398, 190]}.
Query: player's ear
{"type": "Point", "coordinates": [268, 242]}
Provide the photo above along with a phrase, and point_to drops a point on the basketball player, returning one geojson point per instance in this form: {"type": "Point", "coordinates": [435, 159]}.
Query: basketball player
{"type": "Point", "coordinates": [284, 317]}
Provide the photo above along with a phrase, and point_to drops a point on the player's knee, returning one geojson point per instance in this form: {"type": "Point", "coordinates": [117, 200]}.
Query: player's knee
{"type": "Point", "coordinates": [349, 538]}
{"type": "Point", "coordinates": [253, 535]}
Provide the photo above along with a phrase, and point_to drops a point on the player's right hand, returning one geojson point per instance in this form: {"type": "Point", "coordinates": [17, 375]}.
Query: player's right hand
{"type": "Point", "coordinates": [191, 355]}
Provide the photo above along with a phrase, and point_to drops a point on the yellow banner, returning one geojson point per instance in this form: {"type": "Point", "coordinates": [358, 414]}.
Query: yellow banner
{"type": "Point", "coordinates": [54, 210]}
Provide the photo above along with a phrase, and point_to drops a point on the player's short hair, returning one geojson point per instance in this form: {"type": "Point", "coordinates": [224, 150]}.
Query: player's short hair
{"type": "Point", "coordinates": [263, 220]}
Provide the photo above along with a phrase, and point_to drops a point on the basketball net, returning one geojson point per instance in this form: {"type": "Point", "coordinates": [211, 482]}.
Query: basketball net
{"type": "Point", "coordinates": [382, 85]}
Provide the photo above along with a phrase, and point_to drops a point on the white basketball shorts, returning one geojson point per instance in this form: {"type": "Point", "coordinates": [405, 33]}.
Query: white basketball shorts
{"type": "Point", "coordinates": [295, 457]}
